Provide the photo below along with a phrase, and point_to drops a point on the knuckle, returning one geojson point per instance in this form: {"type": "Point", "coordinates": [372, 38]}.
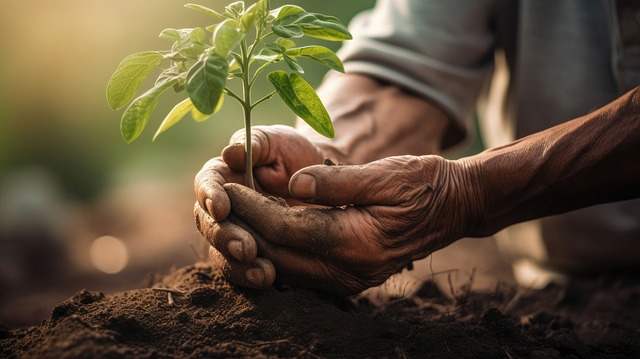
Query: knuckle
{"type": "Point", "coordinates": [237, 137]}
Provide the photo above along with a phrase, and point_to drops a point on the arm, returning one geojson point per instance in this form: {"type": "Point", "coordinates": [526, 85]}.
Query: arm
{"type": "Point", "coordinates": [587, 161]}
{"type": "Point", "coordinates": [405, 207]}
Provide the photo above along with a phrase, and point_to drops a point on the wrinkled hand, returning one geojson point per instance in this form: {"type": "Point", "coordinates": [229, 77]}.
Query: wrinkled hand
{"type": "Point", "coordinates": [394, 211]}
{"type": "Point", "coordinates": [278, 152]}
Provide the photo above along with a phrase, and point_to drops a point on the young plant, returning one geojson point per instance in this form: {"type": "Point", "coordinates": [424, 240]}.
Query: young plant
{"type": "Point", "coordinates": [239, 46]}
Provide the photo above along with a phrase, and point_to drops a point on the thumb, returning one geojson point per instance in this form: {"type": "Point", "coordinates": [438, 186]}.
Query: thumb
{"type": "Point", "coordinates": [375, 183]}
{"type": "Point", "coordinates": [234, 154]}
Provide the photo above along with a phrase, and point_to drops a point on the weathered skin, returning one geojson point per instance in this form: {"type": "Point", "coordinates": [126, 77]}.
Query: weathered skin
{"type": "Point", "coordinates": [399, 208]}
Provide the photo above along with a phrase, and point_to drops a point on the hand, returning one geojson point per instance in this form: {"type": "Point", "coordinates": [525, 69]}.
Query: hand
{"type": "Point", "coordinates": [397, 210]}
{"type": "Point", "coordinates": [364, 135]}
{"type": "Point", "coordinates": [278, 152]}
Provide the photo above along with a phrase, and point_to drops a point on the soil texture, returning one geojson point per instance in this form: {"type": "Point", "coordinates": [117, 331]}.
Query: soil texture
{"type": "Point", "coordinates": [193, 313]}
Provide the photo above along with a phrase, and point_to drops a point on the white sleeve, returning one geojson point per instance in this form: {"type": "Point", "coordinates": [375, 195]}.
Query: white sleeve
{"type": "Point", "coordinates": [441, 49]}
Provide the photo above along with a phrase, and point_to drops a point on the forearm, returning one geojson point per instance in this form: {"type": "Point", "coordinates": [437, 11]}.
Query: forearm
{"type": "Point", "coordinates": [591, 160]}
{"type": "Point", "coordinates": [374, 120]}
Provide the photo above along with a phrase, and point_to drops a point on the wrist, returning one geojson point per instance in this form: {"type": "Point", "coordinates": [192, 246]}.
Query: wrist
{"type": "Point", "coordinates": [470, 188]}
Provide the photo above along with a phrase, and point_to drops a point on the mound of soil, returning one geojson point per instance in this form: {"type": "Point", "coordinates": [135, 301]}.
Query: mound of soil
{"type": "Point", "coordinates": [193, 312]}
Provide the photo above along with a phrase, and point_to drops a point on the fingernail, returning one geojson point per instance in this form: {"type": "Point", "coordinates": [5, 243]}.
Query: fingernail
{"type": "Point", "coordinates": [235, 248]}
{"type": "Point", "coordinates": [304, 186]}
{"type": "Point", "coordinates": [209, 203]}
{"type": "Point", "coordinates": [255, 276]}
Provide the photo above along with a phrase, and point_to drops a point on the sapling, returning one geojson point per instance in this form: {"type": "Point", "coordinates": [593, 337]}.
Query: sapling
{"type": "Point", "coordinates": [239, 46]}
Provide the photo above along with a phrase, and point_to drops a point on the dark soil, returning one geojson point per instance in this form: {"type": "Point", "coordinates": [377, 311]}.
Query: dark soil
{"type": "Point", "coordinates": [204, 316]}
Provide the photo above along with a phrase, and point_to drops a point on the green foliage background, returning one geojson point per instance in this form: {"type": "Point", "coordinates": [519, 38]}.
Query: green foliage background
{"type": "Point", "coordinates": [53, 111]}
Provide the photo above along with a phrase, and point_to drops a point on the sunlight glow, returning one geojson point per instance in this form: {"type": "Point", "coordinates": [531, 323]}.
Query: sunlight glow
{"type": "Point", "coordinates": [109, 254]}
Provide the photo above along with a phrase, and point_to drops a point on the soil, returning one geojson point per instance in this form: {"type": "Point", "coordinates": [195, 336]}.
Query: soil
{"type": "Point", "coordinates": [193, 312]}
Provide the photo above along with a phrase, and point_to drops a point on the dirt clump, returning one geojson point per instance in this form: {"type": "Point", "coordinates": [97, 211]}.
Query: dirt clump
{"type": "Point", "coordinates": [193, 313]}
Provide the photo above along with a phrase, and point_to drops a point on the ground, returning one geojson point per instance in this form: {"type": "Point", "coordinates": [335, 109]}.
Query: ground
{"type": "Point", "coordinates": [194, 312]}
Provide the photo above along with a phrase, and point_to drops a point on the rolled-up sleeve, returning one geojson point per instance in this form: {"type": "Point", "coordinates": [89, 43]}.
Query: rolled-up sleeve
{"type": "Point", "coordinates": [440, 49]}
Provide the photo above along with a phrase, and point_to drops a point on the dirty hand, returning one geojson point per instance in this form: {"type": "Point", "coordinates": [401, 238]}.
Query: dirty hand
{"type": "Point", "coordinates": [278, 152]}
{"type": "Point", "coordinates": [392, 211]}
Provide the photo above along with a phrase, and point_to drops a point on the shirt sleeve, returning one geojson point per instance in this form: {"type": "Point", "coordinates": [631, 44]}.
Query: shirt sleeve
{"type": "Point", "coordinates": [440, 49]}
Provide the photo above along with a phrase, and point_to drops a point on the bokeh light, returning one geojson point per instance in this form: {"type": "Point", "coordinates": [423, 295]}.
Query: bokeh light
{"type": "Point", "coordinates": [109, 254]}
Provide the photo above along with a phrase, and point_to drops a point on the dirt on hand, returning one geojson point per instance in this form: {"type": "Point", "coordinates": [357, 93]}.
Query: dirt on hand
{"type": "Point", "coordinates": [193, 312]}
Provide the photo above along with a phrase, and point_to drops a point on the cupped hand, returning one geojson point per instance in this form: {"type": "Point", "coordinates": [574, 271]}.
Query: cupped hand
{"type": "Point", "coordinates": [380, 217]}
{"type": "Point", "coordinates": [278, 152]}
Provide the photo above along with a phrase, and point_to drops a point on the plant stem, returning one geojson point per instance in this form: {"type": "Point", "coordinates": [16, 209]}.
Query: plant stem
{"type": "Point", "coordinates": [246, 105]}
{"type": "Point", "coordinates": [265, 98]}
{"type": "Point", "coordinates": [248, 164]}
{"type": "Point", "coordinates": [234, 95]}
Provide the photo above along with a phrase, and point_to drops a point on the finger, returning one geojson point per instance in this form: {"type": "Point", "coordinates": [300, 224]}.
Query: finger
{"type": "Point", "coordinates": [383, 182]}
{"type": "Point", "coordinates": [209, 192]}
{"type": "Point", "coordinates": [315, 230]}
{"type": "Point", "coordinates": [304, 269]}
{"type": "Point", "coordinates": [260, 274]}
{"type": "Point", "coordinates": [234, 155]}
{"type": "Point", "coordinates": [228, 238]}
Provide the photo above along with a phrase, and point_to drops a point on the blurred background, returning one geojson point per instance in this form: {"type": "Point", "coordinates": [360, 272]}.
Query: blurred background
{"type": "Point", "coordinates": [79, 208]}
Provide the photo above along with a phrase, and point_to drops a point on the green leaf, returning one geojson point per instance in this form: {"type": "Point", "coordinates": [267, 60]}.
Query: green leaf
{"type": "Point", "coordinates": [276, 48]}
{"type": "Point", "coordinates": [302, 99]}
{"type": "Point", "coordinates": [282, 11]}
{"type": "Point", "coordinates": [227, 36]}
{"type": "Point", "coordinates": [198, 35]}
{"type": "Point", "coordinates": [174, 116]}
{"type": "Point", "coordinates": [170, 74]}
{"type": "Point", "coordinates": [179, 86]}
{"type": "Point", "coordinates": [266, 55]}
{"type": "Point", "coordinates": [205, 10]}
{"type": "Point", "coordinates": [137, 115]}
{"type": "Point", "coordinates": [234, 65]}
{"type": "Point", "coordinates": [314, 25]}
{"type": "Point", "coordinates": [200, 117]}
{"type": "Point", "coordinates": [191, 43]}
{"type": "Point", "coordinates": [234, 10]}
{"type": "Point", "coordinates": [285, 43]}
{"type": "Point", "coordinates": [287, 31]}
{"type": "Point", "coordinates": [320, 54]}
{"type": "Point", "coordinates": [263, 11]}
{"type": "Point", "coordinates": [170, 34]}
{"type": "Point", "coordinates": [249, 17]}
{"type": "Point", "coordinates": [126, 80]}
{"type": "Point", "coordinates": [206, 81]}
{"type": "Point", "coordinates": [292, 64]}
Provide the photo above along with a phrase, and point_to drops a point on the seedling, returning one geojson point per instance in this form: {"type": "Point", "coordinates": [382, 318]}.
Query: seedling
{"type": "Point", "coordinates": [239, 46]}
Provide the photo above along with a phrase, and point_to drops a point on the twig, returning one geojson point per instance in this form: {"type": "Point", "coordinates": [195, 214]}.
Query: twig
{"type": "Point", "coordinates": [446, 271]}
{"type": "Point", "coordinates": [169, 290]}
{"type": "Point", "coordinates": [466, 287]}
{"type": "Point", "coordinates": [199, 256]}
{"type": "Point", "coordinates": [170, 299]}
{"type": "Point", "coordinates": [451, 288]}
{"type": "Point", "coordinates": [512, 303]}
